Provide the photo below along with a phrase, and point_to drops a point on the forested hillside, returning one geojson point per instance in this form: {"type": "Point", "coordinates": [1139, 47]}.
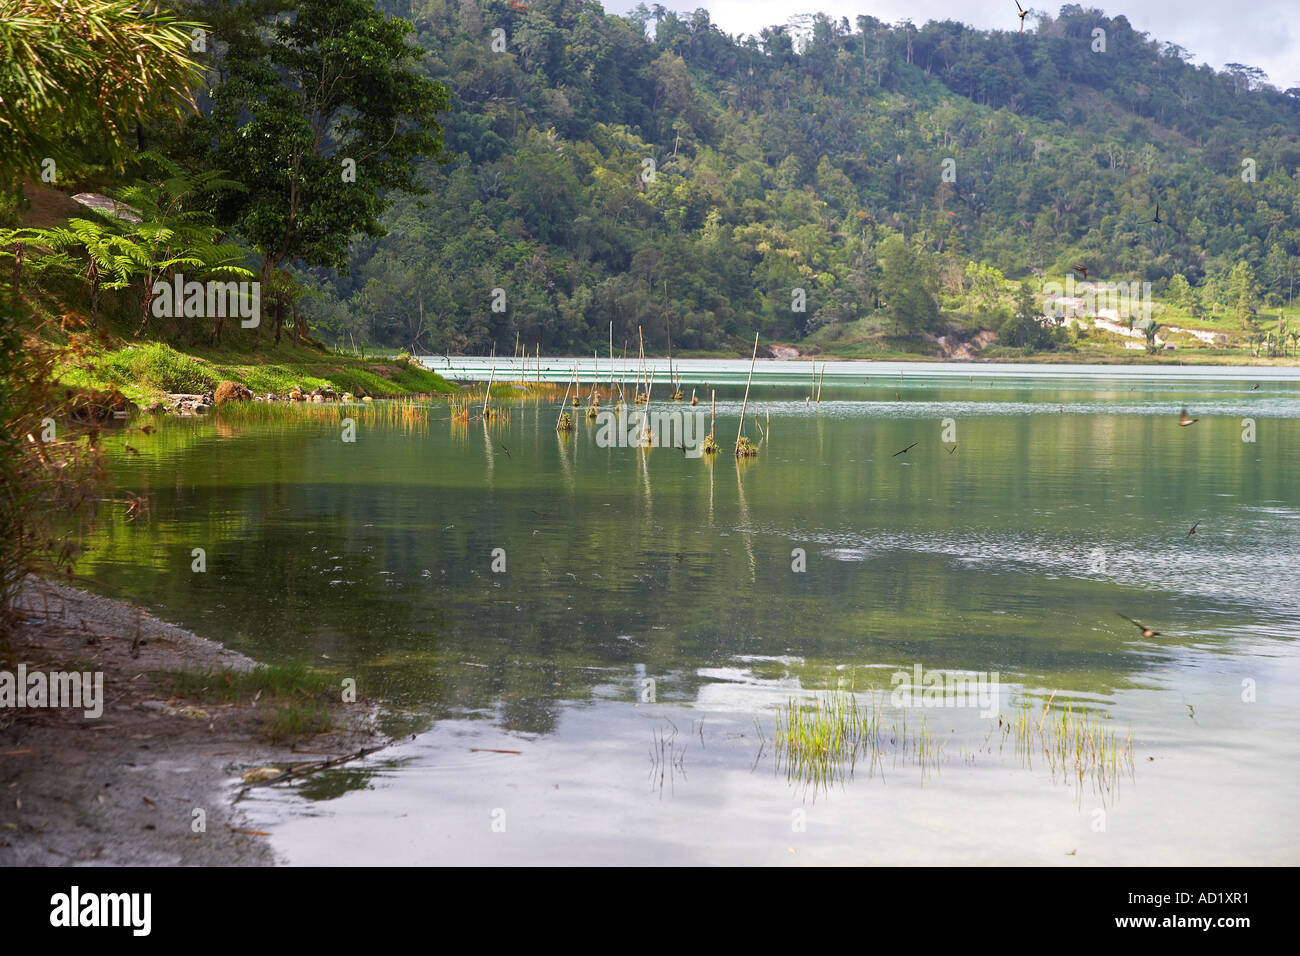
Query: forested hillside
{"type": "Point", "coordinates": [814, 158]}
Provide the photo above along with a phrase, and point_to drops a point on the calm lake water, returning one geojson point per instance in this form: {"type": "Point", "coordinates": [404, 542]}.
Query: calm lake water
{"type": "Point", "coordinates": [649, 626]}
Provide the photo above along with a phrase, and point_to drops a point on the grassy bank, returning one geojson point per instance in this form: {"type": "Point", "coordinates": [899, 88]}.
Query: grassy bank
{"type": "Point", "coordinates": [145, 371]}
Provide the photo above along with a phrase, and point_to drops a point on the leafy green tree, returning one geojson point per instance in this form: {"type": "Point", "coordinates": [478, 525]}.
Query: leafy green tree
{"type": "Point", "coordinates": [1243, 292]}
{"type": "Point", "coordinates": [908, 286]}
{"type": "Point", "coordinates": [322, 124]}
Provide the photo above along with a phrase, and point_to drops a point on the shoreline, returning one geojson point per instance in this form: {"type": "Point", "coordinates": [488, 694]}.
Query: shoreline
{"type": "Point", "coordinates": [123, 788]}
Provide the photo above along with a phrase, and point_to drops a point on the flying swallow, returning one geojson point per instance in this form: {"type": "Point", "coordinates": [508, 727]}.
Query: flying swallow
{"type": "Point", "coordinates": [1146, 631]}
{"type": "Point", "coordinates": [905, 450]}
{"type": "Point", "coordinates": [1193, 531]}
{"type": "Point", "coordinates": [1184, 421]}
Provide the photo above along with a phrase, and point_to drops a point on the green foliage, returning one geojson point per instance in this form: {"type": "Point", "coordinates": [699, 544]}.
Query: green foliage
{"type": "Point", "coordinates": [775, 171]}
{"type": "Point", "coordinates": [321, 121]}
{"type": "Point", "coordinates": [907, 286]}
{"type": "Point", "coordinates": [156, 366]}
{"type": "Point", "coordinates": [1025, 329]}
{"type": "Point", "coordinates": [85, 68]}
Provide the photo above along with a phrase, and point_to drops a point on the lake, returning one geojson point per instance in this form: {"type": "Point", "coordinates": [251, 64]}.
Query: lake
{"type": "Point", "coordinates": [643, 626]}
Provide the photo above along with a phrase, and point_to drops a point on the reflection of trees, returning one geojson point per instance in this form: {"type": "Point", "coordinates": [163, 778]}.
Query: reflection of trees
{"type": "Point", "coordinates": [414, 611]}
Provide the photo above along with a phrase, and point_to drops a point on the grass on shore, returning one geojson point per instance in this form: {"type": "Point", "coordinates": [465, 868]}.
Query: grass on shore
{"type": "Point", "coordinates": [144, 372]}
{"type": "Point", "coordinates": [294, 700]}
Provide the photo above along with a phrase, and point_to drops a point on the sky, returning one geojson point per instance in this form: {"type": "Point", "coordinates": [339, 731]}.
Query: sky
{"type": "Point", "coordinates": [1262, 33]}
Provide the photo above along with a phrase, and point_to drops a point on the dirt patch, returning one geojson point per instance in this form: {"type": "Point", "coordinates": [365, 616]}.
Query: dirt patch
{"type": "Point", "coordinates": [122, 788]}
{"type": "Point", "coordinates": [49, 207]}
{"type": "Point", "coordinates": [389, 372]}
{"type": "Point", "coordinates": [783, 352]}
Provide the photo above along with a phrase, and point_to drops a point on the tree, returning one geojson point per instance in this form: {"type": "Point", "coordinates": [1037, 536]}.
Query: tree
{"type": "Point", "coordinates": [908, 286]}
{"type": "Point", "coordinates": [1024, 327]}
{"type": "Point", "coordinates": [322, 125]}
{"type": "Point", "coordinates": [1243, 293]}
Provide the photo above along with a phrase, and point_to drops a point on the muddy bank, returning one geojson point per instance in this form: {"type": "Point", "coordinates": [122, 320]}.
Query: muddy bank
{"type": "Point", "coordinates": [122, 788]}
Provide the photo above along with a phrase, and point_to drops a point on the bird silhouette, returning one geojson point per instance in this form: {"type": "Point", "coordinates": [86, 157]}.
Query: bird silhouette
{"type": "Point", "coordinates": [1255, 387]}
{"type": "Point", "coordinates": [148, 429]}
{"type": "Point", "coordinates": [952, 449]}
{"type": "Point", "coordinates": [1184, 421]}
{"type": "Point", "coordinates": [905, 450]}
{"type": "Point", "coordinates": [504, 449]}
{"type": "Point", "coordinates": [1157, 220]}
{"type": "Point", "coordinates": [1082, 270]}
{"type": "Point", "coordinates": [1194, 527]}
{"type": "Point", "coordinates": [1023, 13]}
{"type": "Point", "coordinates": [1146, 631]}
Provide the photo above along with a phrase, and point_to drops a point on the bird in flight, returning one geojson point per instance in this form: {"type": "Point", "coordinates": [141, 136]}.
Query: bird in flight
{"type": "Point", "coordinates": [1082, 270]}
{"type": "Point", "coordinates": [1184, 421]}
{"type": "Point", "coordinates": [905, 450]}
{"type": "Point", "coordinates": [1146, 631]}
{"type": "Point", "coordinates": [952, 449]}
{"type": "Point", "coordinates": [1157, 220]}
{"type": "Point", "coordinates": [1253, 388]}
{"type": "Point", "coordinates": [505, 449]}
{"type": "Point", "coordinates": [1023, 13]}
{"type": "Point", "coordinates": [1193, 531]}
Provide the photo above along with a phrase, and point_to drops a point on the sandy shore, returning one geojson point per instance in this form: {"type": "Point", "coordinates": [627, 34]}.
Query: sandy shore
{"type": "Point", "coordinates": [122, 788]}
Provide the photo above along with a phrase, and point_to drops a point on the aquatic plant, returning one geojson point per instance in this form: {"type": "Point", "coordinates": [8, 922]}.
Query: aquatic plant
{"type": "Point", "coordinates": [822, 739]}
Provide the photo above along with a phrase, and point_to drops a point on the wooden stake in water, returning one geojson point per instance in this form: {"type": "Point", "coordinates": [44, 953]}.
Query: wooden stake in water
{"type": "Point", "coordinates": [820, 381]}
{"type": "Point", "coordinates": [488, 394]}
{"type": "Point", "coordinates": [745, 403]}
{"type": "Point", "coordinates": [713, 414]}
{"type": "Point", "coordinates": [641, 361]}
{"type": "Point", "coordinates": [611, 361]}
{"type": "Point", "coordinates": [564, 401]}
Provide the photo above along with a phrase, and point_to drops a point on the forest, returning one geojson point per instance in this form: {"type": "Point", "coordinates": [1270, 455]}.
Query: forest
{"type": "Point", "coordinates": [651, 171]}
{"type": "Point", "coordinates": [503, 173]}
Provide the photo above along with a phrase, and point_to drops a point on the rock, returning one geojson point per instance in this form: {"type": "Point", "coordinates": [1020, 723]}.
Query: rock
{"type": "Point", "coordinates": [201, 408]}
{"type": "Point", "coordinates": [347, 397]}
{"type": "Point", "coordinates": [366, 398]}
{"type": "Point", "coordinates": [155, 408]}
{"type": "Point", "coordinates": [232, 392]}
{"type": "Point", "coordinates": [295, 394]}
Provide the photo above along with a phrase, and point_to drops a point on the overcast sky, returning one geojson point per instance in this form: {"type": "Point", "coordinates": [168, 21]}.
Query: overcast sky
{"type": "Point", "coordinates": [1262, 33]}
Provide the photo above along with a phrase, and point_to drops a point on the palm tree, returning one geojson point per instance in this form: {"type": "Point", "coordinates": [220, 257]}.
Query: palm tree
{"type": "Point", "coordinates": [1149, 329]}
{"type": "Point", "coordinates": [86, 65]}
